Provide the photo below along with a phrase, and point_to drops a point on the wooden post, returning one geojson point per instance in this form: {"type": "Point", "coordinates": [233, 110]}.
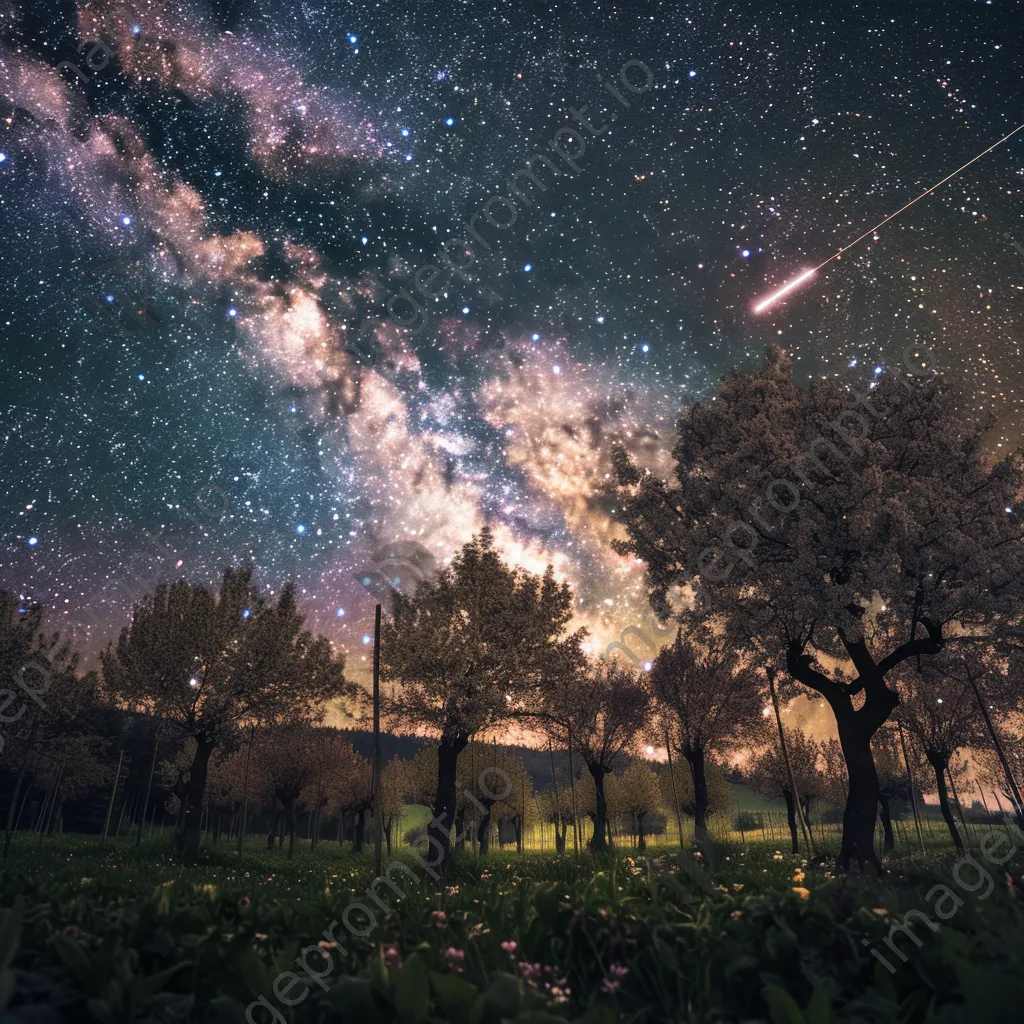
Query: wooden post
{"type": "Point", "coordinates": [959, 806]}
{"type": "Point", "coordinates": [113, 794]}
{"type": "Point", "coordinates": [1010, 780]}
{"type": "Point", "coordinates": [245, 790]}
{"type": "Point", "coordinates": [910, 779]}
{"type": "Point", "coordinates": [149, 784]}
{"type": "Point", "coordinates": [572, 788]}
{"type": "Point", "coordinates": [379, 838]}
{"type": "Point", "coordinates": [472, 778]}
{"type": "Point", "coordinates": [785, 757]}
{"type": "Point", "coordinates": [558, 803]}
{"type": "Point", "coordinates": [675, 794]}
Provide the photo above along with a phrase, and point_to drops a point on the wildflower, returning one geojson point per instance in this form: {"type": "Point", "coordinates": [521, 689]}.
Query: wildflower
{"type": "Point", "coordinates": [455, 959]}
{"type": "Point", "coordinates": [261, 936]}
{"type": "Point", "coordinates": [210, 890]}
{"type": "Point", "coordinates": [736, 915]}
{"type": "Point", "coordinates": [510, 947]}
{"type": "Point", "coordinates": [561, 995]}
{"type": "Point", "coordinates": [529, 971]}
{"type": "Point", "coordinates": [880, 911]}
{"type": "Point", "coordinates": [244, 902]}
{"type": "Point", "coordinates": [618, 971]}
{"type": "Point", "coordinates": [777, 855]}
{"type": "Point", "coordinates": [737, 886]}
{"type": "Point", "coordinates": [391, 956]}
{"type": "Point", "coordinates": [798, 875]}
{"type": "Point", "coordinates": [801, 892]}
{"type": "Point", "coordinates": [439, 918]}
{"type": "Point", "coordinates": [610, 986]}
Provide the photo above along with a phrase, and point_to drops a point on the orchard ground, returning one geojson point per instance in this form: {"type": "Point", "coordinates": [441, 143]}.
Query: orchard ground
{"type": "Point", "coordinates": [101, 931]}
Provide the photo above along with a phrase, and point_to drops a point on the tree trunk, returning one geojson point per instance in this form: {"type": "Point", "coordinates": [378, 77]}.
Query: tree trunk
{"type": "Point", "coordinates": [359, 832]}
{"type": "Point", "coordinates": [460, 830]}
{"type": "Point", "coordinates": [883, 804]}
{"type": "Point", "coordinates": [195, 791]}
{"type": "Point", "coordinates": [599, 842]}
{"type": "Point", "coordinates": [695, 758]}
{"type": "Point", "coordinates": [939, 764]}
{"type": "Point", "coordinates": [17, 789]}
{"type": "Point", "coordinates": [641, 842]}
{"type": "Point", "coordinates": [388, 825]}
{"type": "Point", "coordinates": [862, 799]}
{"type": "Point", "coordinates": [791, 820]}
{"type": "Point", "coordinates": [440, 826]}
{"type": "Point", "coordinates": [517, 824]}
{"type": "Point", "coordinates": [560, 837]}
{"type": "Point", "coordinates": [483, 834]}
{"type": "Point", "coordinates": [289, 826]}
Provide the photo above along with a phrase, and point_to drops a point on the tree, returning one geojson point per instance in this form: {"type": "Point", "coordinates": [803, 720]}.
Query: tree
{"type": "Point", "coordinates": [640, 796]}
{"type": "Point", "coordinates": [34, 664]}
{"type": "Point", "coordinates": [284, 762]}
{"type": "Point", "coordinates": [893, 783]}
{"type": "Point", "coordinates": [678, 784]}
{"type": "Point", "coordinates": [710, 702]}
{"type": "Point", "coordinates": [880, 548]}
{"type": "Point", "coordinates": [208, 663]}
{"type": "Point", "coordinates": [555, 808]}
{"type": "Point", "coordinates": [599, 713]}
{"type": "Point", "coordinates": [467, 650]}
{"type": "Point", "coordinates": [354, 794]}
{"type": "Point", "coordinates": [769, 777]}
{"type": "Point", "coordinates": [940, 714]}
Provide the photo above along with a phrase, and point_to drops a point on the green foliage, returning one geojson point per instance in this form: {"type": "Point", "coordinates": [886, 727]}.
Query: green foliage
{"type": "Point", "coordinates": [100, 932]}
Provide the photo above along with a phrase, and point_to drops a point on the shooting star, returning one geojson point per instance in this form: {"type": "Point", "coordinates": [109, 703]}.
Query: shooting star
{"type": "Point", "coordinates": [805, 275]}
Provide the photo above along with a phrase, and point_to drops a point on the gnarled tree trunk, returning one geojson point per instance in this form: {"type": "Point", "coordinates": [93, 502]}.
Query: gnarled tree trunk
{"type": "Point", "coordinates": [883, 804]}
{"type": "Point", "coordinates": [940, 763]}
{"type": "Point", "coordinates": [440, 827]}
{"type": "Point", "coordinates": [694, 754]}
{"type": "Point", "coordinates": [791, 820]}
{"type": "Point", "coordinates": [599, 842]}
{"type": "Point", "coordinates": [195, 791]}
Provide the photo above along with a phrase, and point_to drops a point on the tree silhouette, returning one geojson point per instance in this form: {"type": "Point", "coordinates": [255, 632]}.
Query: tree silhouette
{"type": "Point", "coordinates": [823, 522]}
{"type": "Point", "coordinates": [208, 663]}
{"type": "Point", "coordinates": [466, 651]}
{"type": "Point", "coordinates": [599, 712]}
{"type": "Point", "coordinates": [711, 703]}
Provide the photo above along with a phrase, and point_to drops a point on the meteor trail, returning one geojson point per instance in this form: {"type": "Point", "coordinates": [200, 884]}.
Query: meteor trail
{"type": "Point", "coordinates": [809, 273]}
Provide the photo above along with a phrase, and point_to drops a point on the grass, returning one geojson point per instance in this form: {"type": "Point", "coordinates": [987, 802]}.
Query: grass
{"type": "Point", "coordinates": [102, 932]}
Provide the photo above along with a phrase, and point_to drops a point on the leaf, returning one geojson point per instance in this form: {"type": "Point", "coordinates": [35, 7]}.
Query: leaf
{"type": "Point", "coordinates": [77, 961]}
{"type": "Point", "coordinates": [411, 985]}
{"type": "Point", "coordinates": [456, 995]}
{"type": "Point", "coordinates": [154, 983]}
{"type": "Point", "coordinates": [504, 995]}
{"type": "Point", "coordinates": [784, 1008]}
{"type": "Point", "coordinates": [10, 931]}
{"type": "Point", "coordinates": [819, 1009]}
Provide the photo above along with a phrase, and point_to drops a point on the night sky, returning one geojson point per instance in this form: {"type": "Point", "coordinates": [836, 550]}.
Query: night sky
{"type": "Point", "coordinates": [194, 232]}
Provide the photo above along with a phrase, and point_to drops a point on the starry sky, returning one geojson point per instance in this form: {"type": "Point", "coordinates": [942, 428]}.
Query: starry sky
{"type": "Point", "coordinates": [199, 215]}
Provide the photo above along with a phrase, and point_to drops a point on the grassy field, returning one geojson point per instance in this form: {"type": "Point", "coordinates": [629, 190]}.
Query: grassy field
{"type": "Point", "coordinates": [101, 932]}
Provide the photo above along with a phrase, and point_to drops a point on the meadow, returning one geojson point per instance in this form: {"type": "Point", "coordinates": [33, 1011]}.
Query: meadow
{"type": "Point", "coordinates": [96, 930]}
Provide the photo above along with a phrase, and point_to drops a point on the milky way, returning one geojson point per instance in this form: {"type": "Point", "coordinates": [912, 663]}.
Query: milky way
{"type": "Point", "coordinates": [203, 204]}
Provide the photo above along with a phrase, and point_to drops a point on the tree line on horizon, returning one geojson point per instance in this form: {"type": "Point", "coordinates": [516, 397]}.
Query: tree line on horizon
{"type": "Point", "coordinates": [888, 588]}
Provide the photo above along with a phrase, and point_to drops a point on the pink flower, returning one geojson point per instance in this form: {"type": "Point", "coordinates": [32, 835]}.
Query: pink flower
{"type": "Point", "coordinates": [618, 971]}
{"type": "Point", "coordinates": [530, 971]}
{"type": "Point", "coordinates": [610, 986]}
{"type": "Point", "coordinates": [440, 918]}
{"type": "Point", "coordinates": [391, 957]}
{"type": "Point", "coordinates": [455, 958]}
{"type": "Point", "coordinates": [509, 947]}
